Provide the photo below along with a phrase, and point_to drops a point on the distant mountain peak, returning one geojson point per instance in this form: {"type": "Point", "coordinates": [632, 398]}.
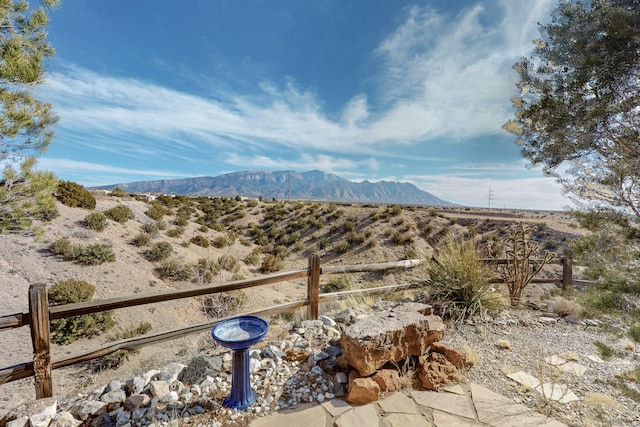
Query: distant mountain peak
{"type": "Point", "coordinates": [288, 184]}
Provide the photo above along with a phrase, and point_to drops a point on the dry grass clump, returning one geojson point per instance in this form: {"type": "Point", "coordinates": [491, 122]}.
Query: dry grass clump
{"type": "Point", "coordinates": [458, 282]}
{"type": "Point", "coordinates": [565, 307]}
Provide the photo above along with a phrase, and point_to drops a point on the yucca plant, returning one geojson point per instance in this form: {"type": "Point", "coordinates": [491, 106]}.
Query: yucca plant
{"type": "Point", "coordinates": [458, 282]}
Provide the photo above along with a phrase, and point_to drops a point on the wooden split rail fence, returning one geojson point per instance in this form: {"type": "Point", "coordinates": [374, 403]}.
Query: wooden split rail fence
{"type": "Point", "coordinates": [40, 314]}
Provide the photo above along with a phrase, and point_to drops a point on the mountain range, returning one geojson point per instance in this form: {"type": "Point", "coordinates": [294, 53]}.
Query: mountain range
{"type": "Point", "coordinates": [311, 185]}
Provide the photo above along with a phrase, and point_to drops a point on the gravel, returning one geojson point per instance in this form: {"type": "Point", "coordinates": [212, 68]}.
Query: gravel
{"type": "Point", "coordinates": [521, 340]}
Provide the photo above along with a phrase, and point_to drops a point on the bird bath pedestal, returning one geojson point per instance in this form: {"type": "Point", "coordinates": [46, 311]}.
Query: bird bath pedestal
{"type": "Point", "coordinates": [238, 334]}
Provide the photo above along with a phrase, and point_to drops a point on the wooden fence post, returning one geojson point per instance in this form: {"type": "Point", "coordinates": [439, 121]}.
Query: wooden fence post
{"type": "Point", "coordinates": [39, 322]}
{"type": "Point", "coordinates": [313, 287]}
{"type": "Point", "coordinates": [567, 269]}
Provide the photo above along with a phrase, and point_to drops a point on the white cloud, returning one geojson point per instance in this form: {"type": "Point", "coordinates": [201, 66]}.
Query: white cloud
{"type": "Point", "coordinates": [524, 193]}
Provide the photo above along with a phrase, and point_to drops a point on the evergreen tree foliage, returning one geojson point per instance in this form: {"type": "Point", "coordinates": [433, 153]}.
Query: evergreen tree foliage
{"type": "Point", "coordinates": [578, 113]}
{"type": "Point", "coordinates": [25, 122]}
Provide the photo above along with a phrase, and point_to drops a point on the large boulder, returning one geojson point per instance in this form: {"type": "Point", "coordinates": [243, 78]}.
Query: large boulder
{"type": "Point", "coordinates": [391, 336]}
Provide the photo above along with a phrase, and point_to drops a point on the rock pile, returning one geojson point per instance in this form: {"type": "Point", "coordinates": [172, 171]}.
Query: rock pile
{"type": "Point", "coordinates": [320, 360]}
{"type": "Point", "coordinates": [408, 333]}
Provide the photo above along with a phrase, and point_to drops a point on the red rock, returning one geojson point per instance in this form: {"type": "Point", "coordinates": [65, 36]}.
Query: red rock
{"type": "Point", "coordinates": [387, 379]}
{"type": "Point", "coordinates": [390, 336]}
{"type": "Point", "coordinates": [453, 355]}
{"type": "Point", "coordinates": [363, 391]}
{"type": "Point", "coordinates": [435, 371]}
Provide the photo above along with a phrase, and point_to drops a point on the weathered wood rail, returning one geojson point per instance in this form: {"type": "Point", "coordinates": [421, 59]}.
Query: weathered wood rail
{"type": "Point", "coordinates": [40, 313]}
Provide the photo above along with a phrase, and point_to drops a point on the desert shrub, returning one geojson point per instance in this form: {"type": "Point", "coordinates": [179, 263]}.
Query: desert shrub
{"type": "Point", "coordinates": [118, 192]}
{"type": "Point", "coordinates": [394, 210]}
{"type": "Point", "coordinates": [75, 195]}
{"type": "Point", "coordinates": [156, 212]}
{"type": "Point", "coordinates": [200, 241]}
{"type": "Point", "coordinates": [398, 238]}
{"type": "Point", "coordinates": [322, 243]}
{"type": "Point", "coordinates": [96, 221]}
{"type": "Point", "coordinates": [60, 246]}
{"type": "Point", "coordinates": [634, 333]}
{"type": "Point", "coordinates": [205, 270]}
{"type": "Point", "coordinates": [142, 239]}
{"type": "Point", "coordinates": [95, 254]}
{"type": "Point", "coordinates": [174, 270]}
{"type": "Point", "coordinates": [65, 331]}
{"type": "Point", "coordinates": [119, 213]}
{"type": "Point", "coordinates": [228, 263]}
{"type": "Point", "coordinates": [343, 247]}
{"type": "Point", "coordinates": [458, 282]}
{"type": "Point", "coordinates": [252, 258]}
{"type": "Point", "coordinates": [150, 228]}
{"type": "Point", "coordinates": [223, 304]}
{"type": "Point", "coordinates": [182, 218]}
{"type": "Point", "coordinates": [175, 232]}
{"type": "Point", "coordinates": [271, 263]}
{"type": "Point", "coordinates": [356, 238]}
{"type": "Point", "coordinates": [349, 225]}
{"type": "Point", "coordinates": [220, 242]}
{"type": "Point", "coordinates": [71, 291]}
{"type": "Point", "coordinates": [159, 251]}
{"type": "Point", "coordinates": [338, 284]}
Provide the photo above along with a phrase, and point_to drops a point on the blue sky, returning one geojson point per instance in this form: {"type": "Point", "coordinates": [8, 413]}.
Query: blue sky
{"type": "Point", "coordinates": [412, 91]}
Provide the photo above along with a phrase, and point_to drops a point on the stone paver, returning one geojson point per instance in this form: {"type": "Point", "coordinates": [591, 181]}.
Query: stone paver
{"type": "Point", "coordinates": [482, 408]}
{"type": "Point", "coordinates": [454, 388]}
{"type": "Point", "coordinates": [361, 416]}
{"type": "Point", "coordinates": [442, 419]}
{"type": "Point", "coordinates": [558, 392]}
{"type": "Point", "coordinates": [446, 402]}
{"type": "Point", "coordinates": [574, 368]}
{"type": "Point", "coordinates": [304, 415]}
{"type": "Point", "coordinates": [398, 403]}
{"type": "Point", "coordinates": [336, 407]}
{"type": "Point", "coordinates": [405, 420]}
{"type": "Point", "coordinates": [525, 379]}
{"type": "Point", "coordinates": [496, 410]}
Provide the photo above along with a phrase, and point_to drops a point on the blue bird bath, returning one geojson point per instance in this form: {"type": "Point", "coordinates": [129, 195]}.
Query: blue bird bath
{"type": "Point", "coordinates": [238, 334]}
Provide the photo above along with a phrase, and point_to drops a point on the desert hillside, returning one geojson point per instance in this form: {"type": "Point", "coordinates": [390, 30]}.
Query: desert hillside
{"type": "Point", "coordinates": [229, 239]}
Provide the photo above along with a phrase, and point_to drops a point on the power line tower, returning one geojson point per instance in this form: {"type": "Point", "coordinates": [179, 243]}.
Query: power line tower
{"type": "Point", "coordinates": [491, 194]}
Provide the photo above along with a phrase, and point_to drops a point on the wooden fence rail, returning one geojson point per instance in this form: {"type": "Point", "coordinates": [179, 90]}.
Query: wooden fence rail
{"type": "Point", "coordinates": [40, 314]}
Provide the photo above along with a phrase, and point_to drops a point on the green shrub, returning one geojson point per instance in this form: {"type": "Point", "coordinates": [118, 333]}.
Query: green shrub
{"type": "Point", "coordinates": [175, 232]}
{"type": "Point", "coordinates": [252, 258]}
{"type": "Point", "coordinates": [119, 213]}
{"type": "Point", "coordinates": [97, 253]}
{"type": "Point", "coordinates": [174, 270]}
{"type": "Point", "coordinates": [338, 284]}
{"type": "Point", "coordinates": [200, 241]}
{"type": "Point", "coordinates": [150, 228]}
{"type": "Point", "coordinates": [271, 263]}
{"type": "Point", "coordinates": [220, 242]}
{"type": "Point", "coordinates": [458, 282]}
{"type": "Point", "coordinates": [65, 331]}
{"type": "Point", "coordinates": [142, 239]}
{"type": "Point", "coordinates": [60, 246]}
{"type": "Point", "coordinates": [75, 195]}
{"type": "Point", "coordinates": [205, 270]}
{"type": "Point", "coordinates": [96, 221]}
{"type": "Point", "coordinates": [343, 247]}
{"type": "Point", "coordinates": [159, 251]}
{"type": "Point", "coordinates": [228, 263]}
{"type": "Point", "coordinates": [118, 192]}
{"type": "Point", "coordinates": [156, 212]}
{"type": "Point", "coordinates": [71, 291]}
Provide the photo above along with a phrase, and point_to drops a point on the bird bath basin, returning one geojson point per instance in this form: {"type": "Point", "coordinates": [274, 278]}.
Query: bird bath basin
{"type": "Point", "coordinates": [238, 334]}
